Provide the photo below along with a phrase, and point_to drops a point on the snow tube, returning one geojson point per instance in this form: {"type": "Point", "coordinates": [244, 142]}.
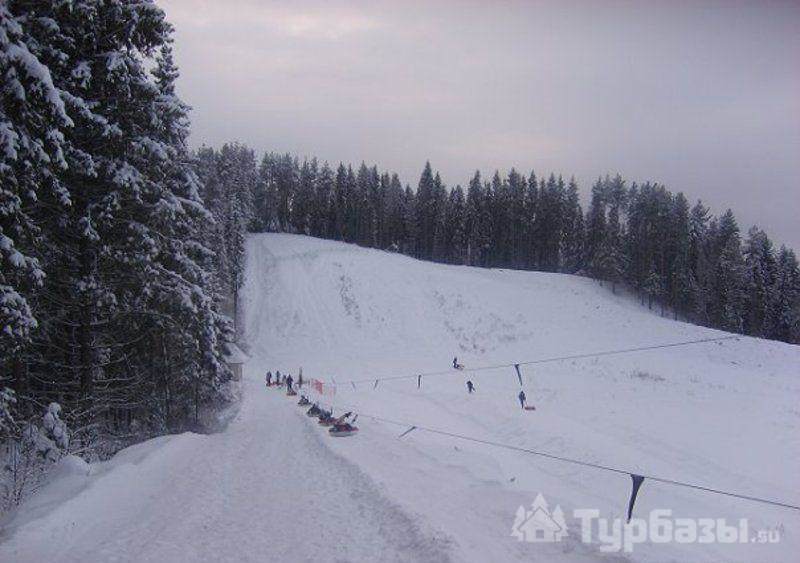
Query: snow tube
{"type": "Point", "coordinates": [342, 431]}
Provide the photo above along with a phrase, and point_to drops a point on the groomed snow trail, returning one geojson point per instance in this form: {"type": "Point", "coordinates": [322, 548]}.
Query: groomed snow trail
{"type": "Point", "coordinates": [267, 488]}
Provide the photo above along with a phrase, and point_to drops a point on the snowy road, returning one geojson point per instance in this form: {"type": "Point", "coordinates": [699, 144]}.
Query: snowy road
{"type": "Point", "coordinates": [266, 488]}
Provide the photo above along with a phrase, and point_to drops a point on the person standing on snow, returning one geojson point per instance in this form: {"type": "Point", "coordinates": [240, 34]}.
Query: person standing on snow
{"type": "Point", "coordinates": [278, 378]}
{"type": "Point", "coordinates": [269, 378]}
{"type": "Point", "coordinates": [289, 382]}
{"type": "Point", "coordinates": [470, 387]}
{"type": "Point", "coordinates": [521, 399]}
{"type": "Point", "coordinates": [300, 379]}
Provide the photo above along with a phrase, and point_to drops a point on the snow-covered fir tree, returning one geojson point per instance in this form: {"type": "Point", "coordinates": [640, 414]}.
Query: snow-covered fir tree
{"type": "Point", "coordinates": [32, 118]}
{"type": "Point", "coordinates": [125, 309]}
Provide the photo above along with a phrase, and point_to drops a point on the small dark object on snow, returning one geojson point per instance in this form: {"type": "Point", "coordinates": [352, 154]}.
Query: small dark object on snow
{"type": "Point", "coordinates": [342, 429]}
{"type": "Point", "coordinates": [470, 387]}
{"type": "Point", "coordinates": [303, 401]}
{"type": "Point", "coordinates": [521, 397]}
{"type": "Point", "coordinates": [456, 365]}
{"type": "Point", "coordinates": [314, 411]}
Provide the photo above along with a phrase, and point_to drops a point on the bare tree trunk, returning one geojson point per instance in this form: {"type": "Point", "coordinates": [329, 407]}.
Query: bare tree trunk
{"type": "Point", "coordinates": [86, 338]}
{"type": "Point", "coordinates": [20, 381]}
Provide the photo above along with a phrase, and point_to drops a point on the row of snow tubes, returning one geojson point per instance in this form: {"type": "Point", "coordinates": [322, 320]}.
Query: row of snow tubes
{"type": "Point", "coordinates": [338, 428]}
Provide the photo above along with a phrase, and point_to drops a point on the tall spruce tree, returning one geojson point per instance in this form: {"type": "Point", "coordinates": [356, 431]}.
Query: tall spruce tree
{"type": "Point", "coordinates": [32, 119]}
{"type": "Point", "coordinates": [124, 258]}
{"type": "Point", "coordinates": [572, 250]}
{"type": "Point", "coordinates": [426, 213]}
{"type": "Point", "coordinates": [759, 279]}
{"type": "Point", "coordinates": [783, 312]}
{"type": "Point", "coordinates": [595, 225]}
{"type": "Point", "coordinates": [477, 223]}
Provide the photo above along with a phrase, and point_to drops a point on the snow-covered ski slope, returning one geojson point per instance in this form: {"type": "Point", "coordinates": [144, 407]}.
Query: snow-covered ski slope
{"type": "Point", "coordinates": [722, 415]}
{"type": "Point", "coordinates": [275, 487]}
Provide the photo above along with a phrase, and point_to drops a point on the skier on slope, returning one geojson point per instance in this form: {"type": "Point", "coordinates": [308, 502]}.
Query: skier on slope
{"type": "Point", "coordinates": [470, 387]}
{"type": "Point", "coordinates": [521, 397]}
{"type": "Point", "coordinates": [269, 378]}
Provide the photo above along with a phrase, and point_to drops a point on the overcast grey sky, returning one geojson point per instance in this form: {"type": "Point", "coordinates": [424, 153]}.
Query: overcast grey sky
{"type": "Point", "coordinates": [701, 96]}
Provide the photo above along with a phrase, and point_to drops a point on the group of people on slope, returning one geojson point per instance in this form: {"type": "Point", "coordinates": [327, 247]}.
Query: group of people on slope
{"type": "Point", "coordinates": [471, 386]}
{"type": "Point", "coordinates": [281, 380]}
{"type": "Point", "coordinates": [522, 398]}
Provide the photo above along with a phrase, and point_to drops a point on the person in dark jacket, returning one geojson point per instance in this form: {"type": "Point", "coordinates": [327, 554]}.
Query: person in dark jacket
{"type": "Point", "coordinates": [521, 399]}
{"type": "Point", "coordinates": [289, 382]}
{"type": "Point", "coordinates": [269, 378]}
{"type": "Point", "coordinates": [470, 387]}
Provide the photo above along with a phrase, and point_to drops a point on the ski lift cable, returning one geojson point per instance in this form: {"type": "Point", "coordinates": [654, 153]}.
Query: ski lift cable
{"type": "Point", "coordinates": [579, 462]}
{"type": "Point", "coordinates": [548, 360]}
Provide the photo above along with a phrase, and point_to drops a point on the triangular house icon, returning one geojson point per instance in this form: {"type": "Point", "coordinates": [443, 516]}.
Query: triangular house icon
{"type": "Point", "coordinates": [539, 524]}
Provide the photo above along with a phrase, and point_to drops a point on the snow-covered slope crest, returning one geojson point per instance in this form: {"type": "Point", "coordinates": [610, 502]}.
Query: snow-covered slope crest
{"type": "Point", "coordinates": [722, 414]}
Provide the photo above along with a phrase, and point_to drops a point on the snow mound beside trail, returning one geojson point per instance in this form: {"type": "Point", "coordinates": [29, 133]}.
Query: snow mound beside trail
{"type": "Point", "coordinates": [73, 485]}
{"type": "Point", "coordinates": [266, 488]}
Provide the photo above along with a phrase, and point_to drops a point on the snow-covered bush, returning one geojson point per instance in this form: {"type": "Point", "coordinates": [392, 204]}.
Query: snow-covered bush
{"type": "Point", "coordinates": [52, 439]}
{"type": "Point", "coordinates": [7, 424]}
{"type": "Point", "coordinates": [28, 450]}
